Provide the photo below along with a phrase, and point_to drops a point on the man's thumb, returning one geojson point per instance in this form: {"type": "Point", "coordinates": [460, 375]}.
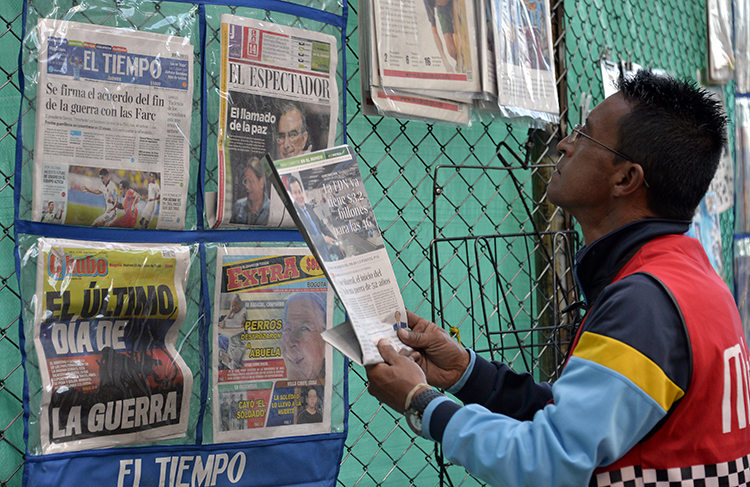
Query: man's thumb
{"type": "Point", "coordinates": [388, 353]}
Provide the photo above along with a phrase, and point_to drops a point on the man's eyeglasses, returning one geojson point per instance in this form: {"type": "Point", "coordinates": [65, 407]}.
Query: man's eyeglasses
{"type": "Point", "coordinates": [292, 135]}
{"type": "Point", "coordinates": [577, 130]}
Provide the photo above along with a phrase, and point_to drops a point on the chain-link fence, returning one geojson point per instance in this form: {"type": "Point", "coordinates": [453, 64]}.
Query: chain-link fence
{"type": "Point", "coordinates": [474, 245]}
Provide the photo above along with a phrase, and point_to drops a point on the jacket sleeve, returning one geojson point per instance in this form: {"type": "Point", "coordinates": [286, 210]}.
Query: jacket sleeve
{"type": "Point", "coordinates": [615, 389]}
{"type": "Point", "coordinates": [495, 386]}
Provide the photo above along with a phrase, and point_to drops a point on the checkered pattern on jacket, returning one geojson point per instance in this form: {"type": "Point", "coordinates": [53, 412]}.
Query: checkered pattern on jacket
{"type": "Point", "coordinates": [729, 474]}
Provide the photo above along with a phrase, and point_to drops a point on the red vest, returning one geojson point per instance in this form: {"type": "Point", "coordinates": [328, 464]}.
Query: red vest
{"type": "Point", "coordinates": [710, 427]}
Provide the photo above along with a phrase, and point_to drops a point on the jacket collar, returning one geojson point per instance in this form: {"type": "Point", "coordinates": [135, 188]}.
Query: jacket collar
{"type": "Point", "coordinates": [598, 263]}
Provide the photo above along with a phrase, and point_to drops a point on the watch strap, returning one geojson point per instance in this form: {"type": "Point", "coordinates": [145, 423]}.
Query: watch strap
{"type": "Point", "coordinates": [418, 406]}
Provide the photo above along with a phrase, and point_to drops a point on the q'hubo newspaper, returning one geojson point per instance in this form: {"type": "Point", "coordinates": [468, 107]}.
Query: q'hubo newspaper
{"type": "Point", "coordinates": [113, 121]}
{"type": "Point", "coordinates": [325, 194]}
{"type": "Point", "coordinates": [279, 96]}
{"type": "Point", "coordinates": [272, 369]}
{"type": "Point", "coordinates": [106, 323]}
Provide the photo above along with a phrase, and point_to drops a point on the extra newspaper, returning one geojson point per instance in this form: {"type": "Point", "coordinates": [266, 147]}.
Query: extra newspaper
{"type": "Point", "coordinates": [105, 327]}
{"type": "Point", "coordinates": [279, 97]}
{"type": "Point", "coordinates": [326, 196]}
{"type": "Point", "coordinates": [112, 126]}
{"type": "Point", "coordinates": [272, 369]}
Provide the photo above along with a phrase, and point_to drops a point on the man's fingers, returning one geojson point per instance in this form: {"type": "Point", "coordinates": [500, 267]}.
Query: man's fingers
{"type": "Point", "coordinates": [388, 353]}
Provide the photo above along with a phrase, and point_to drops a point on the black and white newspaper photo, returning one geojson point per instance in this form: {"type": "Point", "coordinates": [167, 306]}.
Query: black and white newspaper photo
{"type": "Point", "coordinates": [106, 325]}
{"type": "Point", "coordinates": [280, 97]}
{"type": "Point", "coordinates": [113, 119]}
{"type": "Point", "coordinates": [272, 370]}
{"type": "Point", "coordinates": [325, 193]}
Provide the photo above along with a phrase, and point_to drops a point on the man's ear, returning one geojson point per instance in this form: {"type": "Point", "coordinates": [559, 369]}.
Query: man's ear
{"type": "Point", "coordinates": [630, 179]}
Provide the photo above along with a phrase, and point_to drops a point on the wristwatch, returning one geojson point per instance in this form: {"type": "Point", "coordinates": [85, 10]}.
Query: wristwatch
{"type": "Point", "coordinates": [416, 409]}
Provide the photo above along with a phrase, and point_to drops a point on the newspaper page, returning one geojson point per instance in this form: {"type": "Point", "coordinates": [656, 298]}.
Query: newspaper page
{"type": "Point", "coordinates": [377, 100]}
{"type": "Point", "coordinates": [325, 194]}
{"type": "Point", "coordinates": [105, 328]}
{"type": "Point", "coordinates": [280, 97]}
{"type": "Point", "coordinates": [113, 121]}
{"type": "Point", "coordinates": [523, 59]}
{"type": "Point", "coordinates": [272, 369]}
{"type": "Point", "coordinates": [720, 47]}
{"type": "Point", "coordinates": [428, 42]}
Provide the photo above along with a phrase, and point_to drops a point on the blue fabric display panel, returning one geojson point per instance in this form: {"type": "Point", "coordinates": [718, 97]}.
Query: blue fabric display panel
{"type": "Point", "coordinates": [105, 405]}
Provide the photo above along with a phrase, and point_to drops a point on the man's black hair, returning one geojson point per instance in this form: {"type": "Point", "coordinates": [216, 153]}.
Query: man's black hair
{"type": "Point", "coordinates": [676, 132]}
{"type": "Point", "coordinates": [125, 183]}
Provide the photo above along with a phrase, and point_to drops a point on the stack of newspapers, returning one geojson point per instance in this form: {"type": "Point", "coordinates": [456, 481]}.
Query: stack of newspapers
{"type": "Point", "coordinates": [443, 60]}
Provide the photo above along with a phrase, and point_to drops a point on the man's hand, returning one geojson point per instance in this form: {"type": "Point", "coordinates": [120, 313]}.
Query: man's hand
{"type": "Point", "coordinates": [391, 381]}
{"type": "Point", "coordinates": [442, 359]}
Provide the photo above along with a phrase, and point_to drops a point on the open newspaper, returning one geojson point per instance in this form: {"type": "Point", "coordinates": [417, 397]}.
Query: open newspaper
{"type": "Point", "coordinates": [279, 96]}
{"type": "Point", "coordinates": [113, 117]}
{"type": "Point", "coordinates": [105, 327]}
{"type": "Point", "coordinates": [272, 369]}
{"type": "Point", "coordinates": [326, 197]}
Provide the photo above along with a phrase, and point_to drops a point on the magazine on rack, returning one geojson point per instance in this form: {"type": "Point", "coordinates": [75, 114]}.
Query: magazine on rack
{"type": "Point", "coordinates": [409, 104]}
{"type": "Point", "coordinates": [325, 194]}
{"type": "Point", "coordinates": [279, 96]}
{"type": "Point", "coordinates": [105, 330]}
{"type": "Point", "coordinates": [523, 59]}
{"type": "Point", "coordinates": [272, 369]}
{"type": "Point", "coordinates": [428, 42]}
{"type": "Point", "coordinates": [113, 121]}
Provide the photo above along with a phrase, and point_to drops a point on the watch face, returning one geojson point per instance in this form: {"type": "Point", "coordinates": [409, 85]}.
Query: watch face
{"type": "Point", "coordinates": [414, 421]}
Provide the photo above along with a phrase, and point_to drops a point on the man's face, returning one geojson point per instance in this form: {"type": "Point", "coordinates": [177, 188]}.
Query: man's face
{"type": "Point", "coordinates": [585, 176]}
{"type": "Point", "coordinates": [297, 194]}
{"type": "Point", "coordinates": [236, 305]}
{"type": "Point", "coordinates": [152, 178]}
{"type": "Point", "coordinates": [104, 178]}
{"type": "Point", "coordinates": [290, 136]}
{"type": "Point", "coordinates": [302, 346]}
{"type": "Point", "coordinates": [51, 206]}
{"type": "Point", "coordinates": [254, 185]}
{"type": "Point", "coordinates": [398, 316]}
{"type": "Point", "coordinates": [122, 189]}
{"type": "Point", "coordinates": [312, 398]}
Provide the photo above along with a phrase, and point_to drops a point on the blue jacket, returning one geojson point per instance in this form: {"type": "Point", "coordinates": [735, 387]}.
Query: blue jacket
{"type": "Point", "coordinates": [515, 432]}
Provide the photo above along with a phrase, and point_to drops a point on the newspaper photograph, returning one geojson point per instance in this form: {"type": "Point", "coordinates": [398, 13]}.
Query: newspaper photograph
{"type": "Point", "coordinates": [272, 370]}
{"type": "Point", "coordinates": [325, 194]}
{"type": "Point", "coordinates": [113, 118]}
{"type": "Point", "coordinates": [428, 42]}
{"type": "Point", "coordinates": [280, 97]}
{"type": "Point", "coordinates": [105, 328]}
{"type": "Point", "coordinates": [523, 59]}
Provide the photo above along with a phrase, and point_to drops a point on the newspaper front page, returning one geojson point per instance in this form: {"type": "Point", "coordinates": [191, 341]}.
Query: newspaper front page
{"type": "Point", "coordinates": [523, 59]}
{"type": "Point", "coordinates": [105, 328]}
{"type": "Point", "coordinates": [325, 194]}
{"type": "Point", "coordinates": [279, 97]}
{"type": "Point", "coordinates": [272, 369]}
{"type": "Point", "coordinates": [429, 43]}
{"type": "Point", "coordinates": [112, 126]}
{"type": "Point", "coordinates": [411, 104]}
